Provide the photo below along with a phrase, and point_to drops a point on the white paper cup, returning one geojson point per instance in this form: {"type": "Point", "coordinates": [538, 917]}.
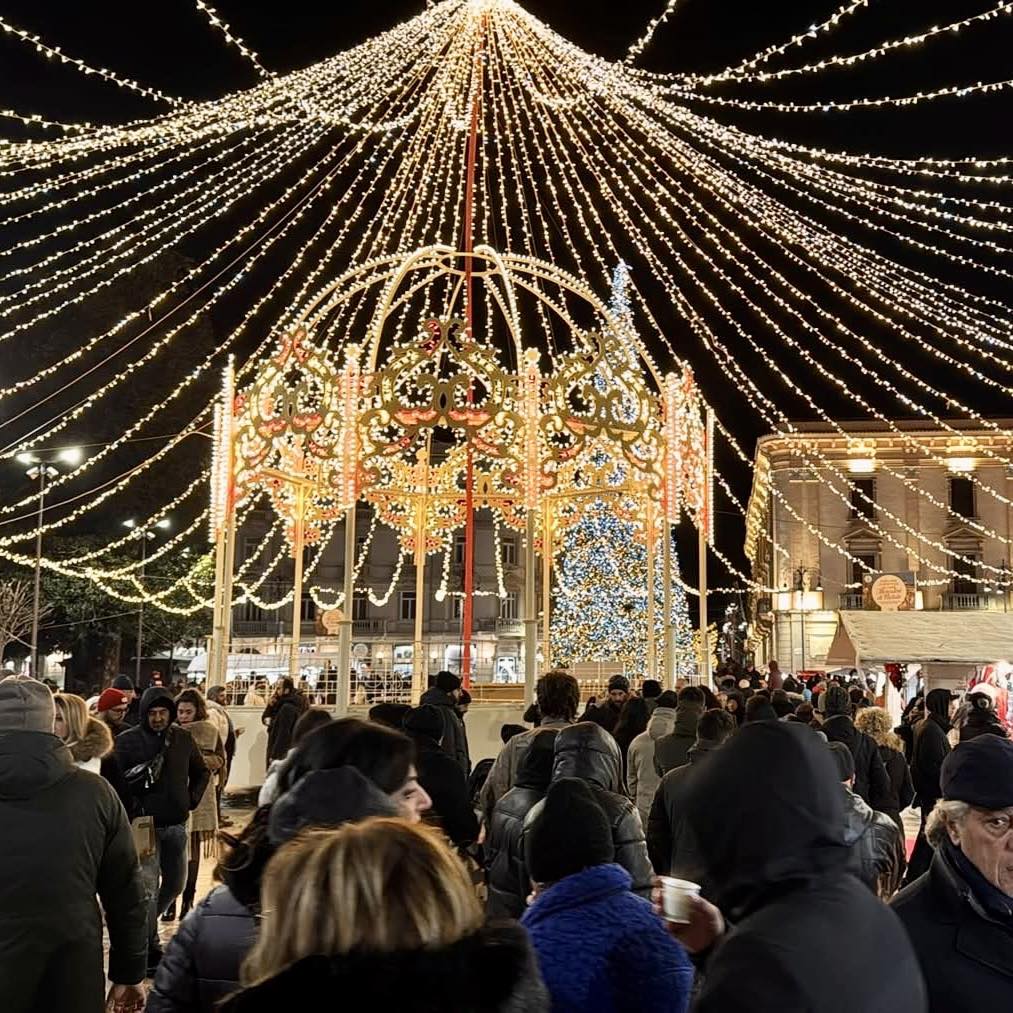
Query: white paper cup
{"type": "Point", "coordinates": [676, 898]}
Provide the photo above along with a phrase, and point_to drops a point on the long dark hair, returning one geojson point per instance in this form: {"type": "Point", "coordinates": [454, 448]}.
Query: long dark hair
{"type": "Point", "coordinates": [243, 858]}
{"type": "Point", "coordinates": [195, 697]}
{"type": "Point", "coordinates": [632, 721]}
{"type": "Point", "coordinates": [380, 753]}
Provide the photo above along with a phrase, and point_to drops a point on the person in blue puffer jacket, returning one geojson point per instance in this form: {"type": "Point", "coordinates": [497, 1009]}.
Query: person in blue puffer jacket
{"type": "Point", "coordinates": [600, 947]}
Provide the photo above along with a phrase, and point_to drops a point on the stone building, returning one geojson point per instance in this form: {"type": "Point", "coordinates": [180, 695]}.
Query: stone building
{"type": "Point", "coordinates": [829, 513]}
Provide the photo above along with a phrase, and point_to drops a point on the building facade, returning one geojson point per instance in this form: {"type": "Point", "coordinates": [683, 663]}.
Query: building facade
{"type": "Point", "coordinates": [830, 512]}
{"type": "Point", "coordinates": [385, 605]}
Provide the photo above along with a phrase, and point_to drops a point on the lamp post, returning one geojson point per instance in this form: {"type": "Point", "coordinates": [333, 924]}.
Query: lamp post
{"type": "Point", "coordinates": [143, 533]}
{"type": "Point", "coordinates": [42, 469]}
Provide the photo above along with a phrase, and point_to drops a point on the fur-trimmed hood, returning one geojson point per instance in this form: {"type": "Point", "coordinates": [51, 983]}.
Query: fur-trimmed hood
{"type": "Point", "coordinates": [95, 744]}
{"type": "Point", "coordinates": [493, 971]}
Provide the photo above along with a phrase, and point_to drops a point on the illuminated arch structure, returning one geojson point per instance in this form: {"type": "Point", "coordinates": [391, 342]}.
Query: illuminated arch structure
{"type": "Point", "coordinates": [427, 419]}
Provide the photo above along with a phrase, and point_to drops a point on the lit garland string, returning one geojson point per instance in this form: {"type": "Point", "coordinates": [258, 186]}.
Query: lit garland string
{"type": "Point", "coordinates": [549, 107]}
{"type": "Point", "coordinates": [938, 545]}
{"type": "Point", "coordinates": [233, 40]}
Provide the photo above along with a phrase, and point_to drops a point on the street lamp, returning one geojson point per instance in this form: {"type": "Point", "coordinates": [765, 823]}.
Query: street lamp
{"type": "Point", "coordinates": [40, 468]}
{"type": "Point", "coordinates": [144, 534]}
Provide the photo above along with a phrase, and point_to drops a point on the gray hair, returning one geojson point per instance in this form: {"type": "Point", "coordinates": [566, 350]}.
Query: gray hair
{"type": "Point", "coordinates": [945, 814]}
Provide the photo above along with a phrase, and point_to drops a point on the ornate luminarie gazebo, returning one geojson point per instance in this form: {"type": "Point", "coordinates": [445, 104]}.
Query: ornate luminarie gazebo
{"type": "Point", "coordinates": [437, 408]}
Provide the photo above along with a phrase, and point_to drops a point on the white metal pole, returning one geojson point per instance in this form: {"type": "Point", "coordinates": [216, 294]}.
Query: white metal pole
{"type": "Point", "coordinates": [669, 626]}
{"type": "Point", "coordinates": [297, 550]}
{"type": "Point", "coordinates": [140, 611]}
{"type": "Point", "coordinates": [530, 613]}
{"type": "Point", "coordinates": [344, 685]}
{"type": "Point", "coordinates": [38, 573]}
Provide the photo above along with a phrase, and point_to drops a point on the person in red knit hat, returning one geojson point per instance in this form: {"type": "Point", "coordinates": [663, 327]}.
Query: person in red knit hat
{"type": "Point", "coordinates": [112, 709]}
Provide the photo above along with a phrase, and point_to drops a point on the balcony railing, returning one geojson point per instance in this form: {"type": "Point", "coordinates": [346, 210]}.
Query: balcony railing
{"type": "Point", "coordinates": [852, 602]}
{"type": "Point", "coordinates": [974, 602]}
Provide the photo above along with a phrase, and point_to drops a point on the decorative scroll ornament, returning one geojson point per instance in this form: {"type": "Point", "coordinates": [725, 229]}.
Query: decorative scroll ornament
{"type": "Point", "coordinates": [289, 430]}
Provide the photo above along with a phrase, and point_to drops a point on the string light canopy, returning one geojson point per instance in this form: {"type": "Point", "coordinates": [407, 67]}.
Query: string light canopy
{"type": "Point", "coordinates": [755, 258]}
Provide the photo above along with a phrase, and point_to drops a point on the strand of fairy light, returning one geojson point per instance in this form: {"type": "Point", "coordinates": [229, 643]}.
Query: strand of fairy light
{"type": "Point", "coordinates": [943, 424]}
{"type": "Point", "coordinates": [853, 59]}
{"type": "Point", "coordinates": [55, 53]}
{"type": "Point", "coordinates": [736, 572]}
{"type": "Point", "coordinates": [654, 24]}
{"type": "Point", "coordinates": [153, 225]}
{"type": "Point", "coordinates": [846, 105]}
{"type": "Point", "coordinates": [797, 41]}
{"type": "Point", "coordinates": [912, 532]}
{"type": "Point", "coordinates": [814, 406]}
{"type": "Point", "coordinates": [231, 38]}
{"type": "Point", "coordinates": [177, 284]}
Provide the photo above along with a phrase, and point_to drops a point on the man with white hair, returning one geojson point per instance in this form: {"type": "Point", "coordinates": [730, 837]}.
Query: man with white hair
{"type": "Point", "coordinates": [959, 914]}
{"type": "Point", "coordinates": [66, 840]}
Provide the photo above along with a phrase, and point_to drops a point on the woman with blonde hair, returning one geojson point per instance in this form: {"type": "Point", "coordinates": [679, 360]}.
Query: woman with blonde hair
{"type": "Point", "coordinates": [385, 912]}
{"type": "Point", "coordinates": [877, 724]}
{"type": "Point", "coordinates": [90, 743]}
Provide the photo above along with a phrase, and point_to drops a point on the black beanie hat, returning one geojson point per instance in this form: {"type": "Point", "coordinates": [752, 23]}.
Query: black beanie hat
{"type": "Point", "coordinates": [619, 682]}
{"type": "Point", "coordinates": [124, 682]}
{"type": "Point", "coordinates": [980, 772]}
{"type": "Point", "coordinates": [651, 689]}
{"type": "Point", "coordinates": [327, 798]}
{"type": "Point", "coordinates": [570, 833]}
{"type": "Point", "coordinates": [447, 682]}
{"type": "Point", "coordinates": [836, 700]}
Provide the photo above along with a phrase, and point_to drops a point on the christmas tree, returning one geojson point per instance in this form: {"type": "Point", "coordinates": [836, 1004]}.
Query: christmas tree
{"type": "Point", "coordinates": [600, 608]}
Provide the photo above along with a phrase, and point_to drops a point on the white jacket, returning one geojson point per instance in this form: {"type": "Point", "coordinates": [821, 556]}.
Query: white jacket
{"type": "Point", "coordinates": [641, 775]}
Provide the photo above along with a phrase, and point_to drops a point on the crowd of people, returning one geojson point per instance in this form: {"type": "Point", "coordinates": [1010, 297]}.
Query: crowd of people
{"type": "Point", "coordinates": [379, 864]}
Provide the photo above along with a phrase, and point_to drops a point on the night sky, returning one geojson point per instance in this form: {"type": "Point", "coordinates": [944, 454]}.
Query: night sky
{"type": "Point", "coordinates": [172, 47]}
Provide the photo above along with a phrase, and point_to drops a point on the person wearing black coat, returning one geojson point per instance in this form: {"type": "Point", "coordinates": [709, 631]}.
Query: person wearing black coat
{"type": "Point", "coordinates": [442, 778]}
{"type": "Point", "coordinates": [931, 747]}
{"type": "Point", "coordinates": [509, 884]}
{"type": "Point", "coordinates": [671, 842]}
{"type": "Point", "coordinates": [875, 841]}
{"type": "Point", "coordinates": [492, 971]}
{"type": "Point", "coordinates": [65, 848]}
{"type": "Point", "coordinates": [671, 751]}
{"type": "Point", "coordinates": [280, 715]}
{"type": "Point", "coordinates": [959, 915]}
{"type": "Point", "coordinates": [876, 722]}
{"type": "Point", "coordinates": [871, 781]}
{"type": "Point", "coordinates": [444, 696]}
{"type": "Point", "coordinates": [586, 751]}
{"type": "Point", "coordinates": [167, 775]}
{"type": "Point", "coordinates": [793, 929]}
{"type": "Point", "coordinates": [202, 961]}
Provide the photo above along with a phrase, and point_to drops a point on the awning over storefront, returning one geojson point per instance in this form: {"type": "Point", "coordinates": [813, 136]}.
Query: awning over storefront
{"type": "Point", "coordinates": [973, 638]}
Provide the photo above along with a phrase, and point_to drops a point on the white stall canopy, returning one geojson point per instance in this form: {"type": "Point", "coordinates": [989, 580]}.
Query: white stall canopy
{"type": "Point", "coordinates": [972, 638]}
